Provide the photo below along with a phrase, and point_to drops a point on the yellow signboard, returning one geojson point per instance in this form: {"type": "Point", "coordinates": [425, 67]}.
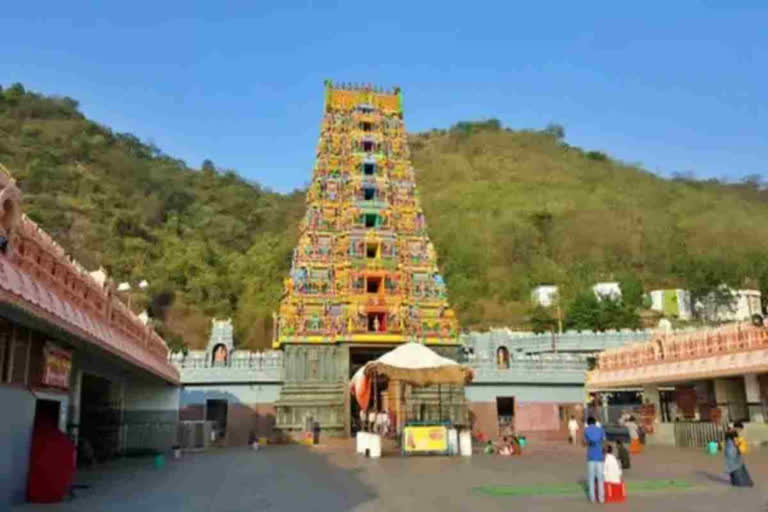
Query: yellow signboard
{"type": "Point", "coordinates": [425, 439]}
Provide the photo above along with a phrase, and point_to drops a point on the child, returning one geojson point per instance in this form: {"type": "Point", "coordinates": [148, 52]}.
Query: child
{"type": "Point", "coordinates": [614, 489]}
{"type": "Point", "coordinates": [623, 455]}
{"type": "Point", "coordinates": [505, 450]}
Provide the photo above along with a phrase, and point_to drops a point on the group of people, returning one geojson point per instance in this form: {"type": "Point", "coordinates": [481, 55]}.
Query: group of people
{"type": "Point", "coordinates": [636, 432]}
{"type": "Point", "coordinates": [509, 445]}
{"type": "Point", "coordinates": [604, 468]}
{"type": "Point", "coordinates": [377, 422]}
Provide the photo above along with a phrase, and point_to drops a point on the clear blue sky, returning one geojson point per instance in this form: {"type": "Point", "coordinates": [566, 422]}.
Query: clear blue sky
{"type": "Point", "coordinates": [677, 86]}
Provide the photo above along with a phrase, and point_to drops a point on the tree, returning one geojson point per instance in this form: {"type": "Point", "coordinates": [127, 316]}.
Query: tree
{"type": "Point", "coordinates": [541, 320]}
{"type": "Point", "coordinates": [631, 291]}
{"type": "Point", "coordinates": [208, 168]}
{"type": "Point", "coordinates": [709, 281]}
{"type": "Point", "coordinates": [555, 130]}
{"type": "Point", "coordinates": [584, 312]}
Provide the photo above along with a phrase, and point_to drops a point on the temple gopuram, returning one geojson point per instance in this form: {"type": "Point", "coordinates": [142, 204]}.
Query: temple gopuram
{"type": "Point", "coordinates": [364, 276]}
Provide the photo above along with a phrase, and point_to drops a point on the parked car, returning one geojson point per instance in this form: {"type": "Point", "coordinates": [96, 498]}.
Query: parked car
{"type": "Point", "coordinates": [615, 433]}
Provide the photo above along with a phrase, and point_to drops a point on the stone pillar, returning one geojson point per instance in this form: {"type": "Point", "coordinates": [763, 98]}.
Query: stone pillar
{"type": "Point", "coordinates": [752, 391]}
{"type": "Point", "coordinates": [730, 399]}
{"type": "Point", "coordinates": [651, 396]}
{"type": "Point", "coordinates": [722, 399]}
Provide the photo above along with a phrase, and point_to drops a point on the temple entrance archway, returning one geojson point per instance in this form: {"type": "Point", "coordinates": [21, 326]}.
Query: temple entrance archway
{"type": "Point", "coordinates": [358, 356]}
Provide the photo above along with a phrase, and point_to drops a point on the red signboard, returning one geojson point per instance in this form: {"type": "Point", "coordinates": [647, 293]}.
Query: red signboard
{"type": "Point", "coordinates": [57, 365]}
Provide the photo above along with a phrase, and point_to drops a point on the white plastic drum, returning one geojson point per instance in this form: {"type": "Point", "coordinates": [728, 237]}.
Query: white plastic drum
{"type": "Point", "coordinates": [465, 443]}
{"type": "Point", "coordinates": [453, 442]}
{"type": "Point", "coordinates": [374, 445]}
{"type": "Point", "coordinates": [362, 442]}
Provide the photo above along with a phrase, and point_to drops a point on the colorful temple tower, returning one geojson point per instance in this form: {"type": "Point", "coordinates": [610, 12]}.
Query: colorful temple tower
{"type": "Point", "coordinates": [364, 274]}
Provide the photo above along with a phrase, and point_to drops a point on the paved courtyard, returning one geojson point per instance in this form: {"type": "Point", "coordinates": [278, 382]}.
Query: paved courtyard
{"type": "Point", "coordinates": [334, 478]}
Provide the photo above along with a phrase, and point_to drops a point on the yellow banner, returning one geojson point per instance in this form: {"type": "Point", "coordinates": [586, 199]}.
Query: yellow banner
{"type": "Point", "coordinates": [425, 439]}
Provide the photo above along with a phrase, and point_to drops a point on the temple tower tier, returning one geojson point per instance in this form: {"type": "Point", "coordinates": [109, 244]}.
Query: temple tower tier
{"type": "Point", "coordinates": [364, 273]}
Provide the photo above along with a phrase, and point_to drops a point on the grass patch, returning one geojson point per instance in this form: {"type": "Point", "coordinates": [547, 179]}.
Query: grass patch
{"type": "Point", "coordinates": [639, 486]}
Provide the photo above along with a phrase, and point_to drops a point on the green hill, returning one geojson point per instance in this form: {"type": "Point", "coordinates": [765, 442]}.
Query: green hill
{"type": "Point", "coordinates": [209, 242]}
{"type": "Point", "coordinates": [512, 209]}
{"type": "Point", "coordinates": [506, 209]}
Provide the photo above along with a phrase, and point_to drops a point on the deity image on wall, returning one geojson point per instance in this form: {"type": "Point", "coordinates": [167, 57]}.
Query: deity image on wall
{"type": "Point", "coordinates": [220, 354]}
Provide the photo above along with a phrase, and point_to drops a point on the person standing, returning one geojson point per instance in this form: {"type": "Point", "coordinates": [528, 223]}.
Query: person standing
{"type": "Point", "coordinates": [594, 437]}
{"type": "Point", "coordinates": [634, 436]}
{"type": "Point", "coordinates": [623, 455]}
{"type": "Point", "coordinates": [573, 429]}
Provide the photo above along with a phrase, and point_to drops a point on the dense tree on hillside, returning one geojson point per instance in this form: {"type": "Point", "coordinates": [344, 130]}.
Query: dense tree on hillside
{"type": "Point", "coordinates": [506, 209]}
{"type": "Point", "coordinates": [524, 208]}
{"type": "Point", "coordinates": [115, 201]}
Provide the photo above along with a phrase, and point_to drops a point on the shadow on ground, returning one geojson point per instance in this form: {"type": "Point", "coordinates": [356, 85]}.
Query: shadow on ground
{"type": "Point", "coordinates": [277, 478]}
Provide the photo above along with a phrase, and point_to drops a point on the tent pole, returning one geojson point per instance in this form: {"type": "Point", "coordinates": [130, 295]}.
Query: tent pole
{"type": "Point", "coordinates": [376, 393]}
{"type": "Point", "coordinates": [440, 401]}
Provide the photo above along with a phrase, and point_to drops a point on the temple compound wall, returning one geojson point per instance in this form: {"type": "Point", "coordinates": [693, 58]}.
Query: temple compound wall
{"type": "Point", "coordinates": [234, 389]}
{"type": "Point", "coordinates": [522, 382]}
{"type": "Point", "coordinates": [72, 354]}
{"type": "Point", "coordinates": [532, 383]}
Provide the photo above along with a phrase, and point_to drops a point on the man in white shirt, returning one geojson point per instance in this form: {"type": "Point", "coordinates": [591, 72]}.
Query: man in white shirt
{"type": "Point", "coordinates": [573, 429]}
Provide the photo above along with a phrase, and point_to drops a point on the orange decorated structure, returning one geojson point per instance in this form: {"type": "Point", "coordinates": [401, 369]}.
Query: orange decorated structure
{"type": "Point", "coordinates": [68, 346]}
{"type": "Point", "coordinates": [364, 275]}
{"type": "Point", "coordinates": [710, 375]}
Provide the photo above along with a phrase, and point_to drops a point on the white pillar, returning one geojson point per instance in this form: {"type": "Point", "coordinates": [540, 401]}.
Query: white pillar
{"type": "Point", "coordinates": [752, 391]}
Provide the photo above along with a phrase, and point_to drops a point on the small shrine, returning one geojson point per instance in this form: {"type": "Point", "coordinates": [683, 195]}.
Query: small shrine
{"type": "Point", "coordinates": [221, 343]}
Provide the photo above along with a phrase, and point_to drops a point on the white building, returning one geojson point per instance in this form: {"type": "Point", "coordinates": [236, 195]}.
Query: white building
{"type": "Point", "coordinates": [675, 303]}
{"type": "Point", "coordinates": [545, 295]}
{"type": "Point", "coordinates": [744, 304]}
{"type": "Point", "coordinates": [607, 289]}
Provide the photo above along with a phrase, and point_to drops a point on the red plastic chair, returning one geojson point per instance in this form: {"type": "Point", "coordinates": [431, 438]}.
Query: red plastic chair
{"type": "Point", "coordinates": [615, 493]}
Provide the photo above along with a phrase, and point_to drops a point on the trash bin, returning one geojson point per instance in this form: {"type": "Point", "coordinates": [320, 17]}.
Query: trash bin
{"type": "Point", "coordinates": [362, 442]}
{"type": "Point", "coordinates": [712, 448]}
{"type": "Point", "coordinates": [465, 443]}
{"type": "Point", "coordinates": [453, 441]}
{"type": "Point", "coordinates": [159, 461]}
{"type": "Point", "coordinates": [374, 446]}
{"type": "Point", "coordinates": [316, 432]}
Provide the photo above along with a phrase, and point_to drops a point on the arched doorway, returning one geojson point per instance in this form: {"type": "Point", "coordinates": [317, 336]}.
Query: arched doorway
{"type": "Point", "coordinates": [502, 358]}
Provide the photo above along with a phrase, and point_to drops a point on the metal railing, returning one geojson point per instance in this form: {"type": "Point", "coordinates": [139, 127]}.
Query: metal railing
{"type": "Point", "coordinates": [695, 434]}
{"type": "Point", "coordinates": [255, 361]}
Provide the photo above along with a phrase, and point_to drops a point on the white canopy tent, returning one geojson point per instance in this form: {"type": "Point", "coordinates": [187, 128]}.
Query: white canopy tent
{"type": "Point", "coordinates": [410, 363]}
